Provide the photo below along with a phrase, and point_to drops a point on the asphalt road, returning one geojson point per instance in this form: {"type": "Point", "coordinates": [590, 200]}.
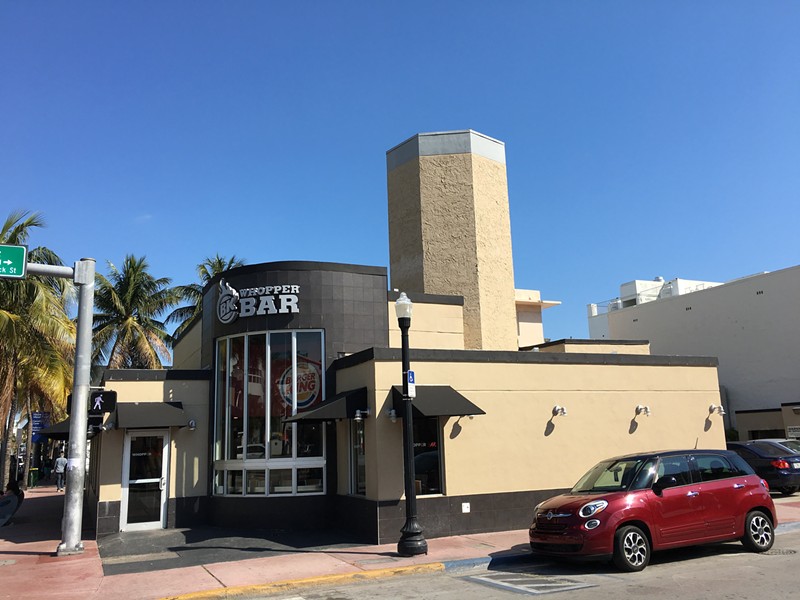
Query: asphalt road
{"type": "Point", "coordinates": [718, 572]}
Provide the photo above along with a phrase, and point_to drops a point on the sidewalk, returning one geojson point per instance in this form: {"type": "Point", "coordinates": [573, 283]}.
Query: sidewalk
{"type": "Point", "coordinates": [170, 563]}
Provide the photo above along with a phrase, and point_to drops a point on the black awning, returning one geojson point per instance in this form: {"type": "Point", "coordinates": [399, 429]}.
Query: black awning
{"type": "Point", "coordinates": [141, 415]}
{"type": "Point", "coordinates": [59, 431]}
{"type": "Point", "coordinates": [341, 406]}
{"type": "Point", "coordinates": [436, 401]}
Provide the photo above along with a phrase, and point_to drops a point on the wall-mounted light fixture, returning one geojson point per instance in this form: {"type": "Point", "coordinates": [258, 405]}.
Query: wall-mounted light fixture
{"type": "Point", "coordinates": [559, 411]}
{"type": "Point", "coordinates": [643, 410]}
{"type": "Point", "coordinates": [360, 414]}
{"type": "Point", "coordinates": [716, 409]}
{"type": "Point", "coordinates": [192, 424]}
{"type": "Point", "coordinates": [392, 414]}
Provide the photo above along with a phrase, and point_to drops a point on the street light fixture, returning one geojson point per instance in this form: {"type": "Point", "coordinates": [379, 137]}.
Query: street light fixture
{"type": "Point", "coordinates": [412, 542]}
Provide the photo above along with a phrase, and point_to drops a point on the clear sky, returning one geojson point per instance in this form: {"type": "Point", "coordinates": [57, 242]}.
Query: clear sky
{"type": "Point", "coordinates": [643, 139]}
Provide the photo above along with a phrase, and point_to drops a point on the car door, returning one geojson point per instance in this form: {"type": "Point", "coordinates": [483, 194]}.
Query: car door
{"type": "Point", "coordinates": [678, 510]}
{"type": "Point", "coordinates": [722, 490]}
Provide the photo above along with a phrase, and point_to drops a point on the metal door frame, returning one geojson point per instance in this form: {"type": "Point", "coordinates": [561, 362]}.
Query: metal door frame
{"type": "Point", "coordinates": [126, 464]}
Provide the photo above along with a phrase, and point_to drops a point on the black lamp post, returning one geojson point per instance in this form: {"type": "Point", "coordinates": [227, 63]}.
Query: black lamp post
{"type": "Point", "coordinates": [412, 542]}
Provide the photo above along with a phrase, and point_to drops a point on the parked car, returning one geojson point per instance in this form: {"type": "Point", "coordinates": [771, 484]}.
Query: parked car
{"type": "Point", "coordinates": [629, 506]}
{"type": "Point", "coordinates": [253, 451]}
{"type": "Point", "coordinates": [772, 461]}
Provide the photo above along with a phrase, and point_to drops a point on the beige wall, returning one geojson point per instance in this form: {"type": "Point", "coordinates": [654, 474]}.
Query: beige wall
{"type": "Point", "coordinates": [186, 354]}
{"type": "Point", "coordinates": [450, 234]}
{"type": "Point", "coordinates": [188, 471]}
{"type": "Point", "coordinates": [760, 421]}
{"type": "Point", "coordinates": [436, 326]}
{"type": "Point", "coordinates": [565, 347]}
{"type": "Point", "coordinates": [518, 445]}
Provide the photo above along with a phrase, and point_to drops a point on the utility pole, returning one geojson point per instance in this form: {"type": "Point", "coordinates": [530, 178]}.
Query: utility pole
{"type": "Point", "coordinates": [82, 276]}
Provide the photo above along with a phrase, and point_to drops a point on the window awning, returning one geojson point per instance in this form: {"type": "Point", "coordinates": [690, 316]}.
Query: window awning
{"type": "Point", "coordinates": [341, 406]}
{"type": "Point", "coordinates": [140, 415]}
{"type": "Point", "coordinates": [436, 401]}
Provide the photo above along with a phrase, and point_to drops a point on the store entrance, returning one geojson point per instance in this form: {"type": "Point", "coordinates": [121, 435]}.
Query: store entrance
{"type": "Point", "coordinates": [144, 485]}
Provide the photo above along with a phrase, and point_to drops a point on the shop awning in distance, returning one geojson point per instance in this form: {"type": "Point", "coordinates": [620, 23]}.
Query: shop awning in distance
{"type": "Point", "coordinates": [59, 431]}
{"type": "Point", "coordinates": [341, 406]}
{"type": "Point", "coordinates": [140, 415]}
{"type": "Point", "coordinates": [436, 401]}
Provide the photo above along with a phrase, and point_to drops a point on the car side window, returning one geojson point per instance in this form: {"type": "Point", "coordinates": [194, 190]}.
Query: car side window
{"type": "Point", "coordinates": [741, 465]}
{"type": "Point", "coordinates": [714, 466]}
{"type": "Point", "coordinates": [676, 467]}
{"type": "Point", "coordinates": [745, 453]}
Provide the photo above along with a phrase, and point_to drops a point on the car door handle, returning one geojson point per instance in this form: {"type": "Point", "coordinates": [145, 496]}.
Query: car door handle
{"type": "Point", "coordinates": [693, 494]}
{"type": "Point", "coordinates": [738, 486]}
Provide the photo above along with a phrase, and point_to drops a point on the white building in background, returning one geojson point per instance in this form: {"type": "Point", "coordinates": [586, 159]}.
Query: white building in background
{"type": "Point", "coordinates": [752, 325]}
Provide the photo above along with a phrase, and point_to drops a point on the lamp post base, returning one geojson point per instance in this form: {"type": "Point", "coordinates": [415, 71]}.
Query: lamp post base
{"type": "Point", "coordinates": [412, 542]}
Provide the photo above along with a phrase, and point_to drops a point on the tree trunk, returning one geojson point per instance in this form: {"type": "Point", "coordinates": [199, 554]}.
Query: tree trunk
{"type": "Point", "coordinates": [5, 447]}
{"type": "Point", "coordinates": [29, 444]}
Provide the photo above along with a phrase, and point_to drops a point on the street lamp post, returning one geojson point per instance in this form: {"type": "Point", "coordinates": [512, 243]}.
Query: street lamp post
{"type": "Point", "coordinates": [412, 542]}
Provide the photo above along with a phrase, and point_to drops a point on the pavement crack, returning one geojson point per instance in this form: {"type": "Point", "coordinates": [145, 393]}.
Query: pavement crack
{"type": "Point", "coordinates": [214, 576]}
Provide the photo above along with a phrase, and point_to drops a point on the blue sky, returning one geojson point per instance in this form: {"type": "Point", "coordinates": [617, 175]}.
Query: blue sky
{"type": "Point", "coordinates": [643, 139]}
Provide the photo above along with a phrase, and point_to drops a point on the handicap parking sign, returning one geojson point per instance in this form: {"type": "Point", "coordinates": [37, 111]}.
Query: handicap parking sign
{"type": "Point", "coordinates": [412, 386]}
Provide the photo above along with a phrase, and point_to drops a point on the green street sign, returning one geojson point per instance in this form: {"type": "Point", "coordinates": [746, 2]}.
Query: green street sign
{"type": "Point", "coordinates": [13, 261]}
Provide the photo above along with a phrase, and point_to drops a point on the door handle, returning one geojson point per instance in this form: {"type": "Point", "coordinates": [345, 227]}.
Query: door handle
{"type": "Point", "coordinates": [162, 484]}
{"type": "Point", "coordinates": [738, 486]}
{"type": "Point", "coordinates": [693, 494]}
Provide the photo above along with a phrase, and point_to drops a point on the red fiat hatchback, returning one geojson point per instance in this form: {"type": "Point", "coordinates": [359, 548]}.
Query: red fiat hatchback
{"type": "Point", "coordinates": [626, 507]}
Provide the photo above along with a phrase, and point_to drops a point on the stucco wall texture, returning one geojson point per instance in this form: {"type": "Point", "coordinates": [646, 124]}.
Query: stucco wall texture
{"type": "Point", "coordinates": [450, 234]}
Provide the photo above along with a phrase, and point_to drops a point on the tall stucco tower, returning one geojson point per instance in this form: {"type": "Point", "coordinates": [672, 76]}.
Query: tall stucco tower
{"type": "Point", "coordinates": [450, 229]}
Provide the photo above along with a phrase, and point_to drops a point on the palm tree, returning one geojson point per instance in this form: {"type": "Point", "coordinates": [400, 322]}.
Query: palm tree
{"type": "Point", "coordinates": [193, 293]}
{"type": "Point", "coordinates": [127, 330]}
{"type": "Point", "coordinates": [36, 336]}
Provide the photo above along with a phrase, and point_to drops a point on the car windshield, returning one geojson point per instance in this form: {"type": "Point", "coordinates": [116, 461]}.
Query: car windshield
{"type": "Point", "coordinates": [768, 449]}
{"type": "Point", "coordinates": [615, 476]}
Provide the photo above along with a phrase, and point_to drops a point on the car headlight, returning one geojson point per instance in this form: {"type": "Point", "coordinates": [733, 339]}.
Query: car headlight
{"type": "Point", "coordinates": [592, 508]}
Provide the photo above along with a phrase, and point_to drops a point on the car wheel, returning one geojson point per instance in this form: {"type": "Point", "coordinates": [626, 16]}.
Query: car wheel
{"type": "Point", "coordinates": [758, 532]}
{"type": "Point", "coordinates": [631, 549]}
{"type": "Point", "coordinates": [788, 490]}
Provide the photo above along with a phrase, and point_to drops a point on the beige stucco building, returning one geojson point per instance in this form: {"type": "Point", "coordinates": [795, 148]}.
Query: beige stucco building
{"type": "Point", "coordinates": [283, 407]}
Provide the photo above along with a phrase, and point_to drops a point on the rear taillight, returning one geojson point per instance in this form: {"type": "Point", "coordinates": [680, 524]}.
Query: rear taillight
{"type": "Point", "coordinates": [781, 464]}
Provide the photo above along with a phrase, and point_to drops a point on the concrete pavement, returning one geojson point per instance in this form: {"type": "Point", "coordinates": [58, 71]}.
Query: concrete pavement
{"type": "Point", "coordinates": [187, 564]}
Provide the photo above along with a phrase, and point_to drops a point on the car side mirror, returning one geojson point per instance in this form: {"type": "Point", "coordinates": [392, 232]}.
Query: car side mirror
{"type": "Point", "coordinates": [664, 483]}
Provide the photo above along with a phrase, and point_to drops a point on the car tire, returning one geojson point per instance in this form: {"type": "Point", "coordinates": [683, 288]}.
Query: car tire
{"type": "Point", "coordinates": [631, 549]}
{"type": "Point", "coordinates": [788, 490]}
{"type": "Point", "coordinates": [759, 534]}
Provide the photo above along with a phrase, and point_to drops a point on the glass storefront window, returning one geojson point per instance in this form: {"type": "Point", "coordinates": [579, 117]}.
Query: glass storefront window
{"type": "Point", "coordinates": [358, 458]}
{"type": "Point", "coordinates": [256, 483]}
{"type": "Point", "coordinates": [309, 480]}
{"type": "Point", "coordinates": [427, 455]}
{"type": "Point", "coordinates": [280, 481]}
{"type": "Point", "coordinates": [236, 380]}
{"type": "Point", "coordinates": [263, 378]}
{"type": "Point", "coordinates": [234, 482]}
{"type": "Point", "coordinates": [219, 482]}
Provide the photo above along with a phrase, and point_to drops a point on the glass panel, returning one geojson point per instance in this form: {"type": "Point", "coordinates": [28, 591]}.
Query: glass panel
{"type": "Point", "coordinates": [309, 481]}
{"type": "Point", "coordinates": [280, 481]}
{"type": "Point", "coordinates": [219, 482]}
{"type": "Point", "coordinates": [144, 502]}
{"type": "Point", "coordinates": [309, 369]}
{"type": "Point", "coordinates": [146, 455]}
{"type": "Point", "coordinates": [234, 482]}
{"type": "Point", "coordinates": [358, 458]}
{"type": "Point", "coordinates": [255, 482]}
{"type": "Point", "coordinates": [280, 357]}
{"type": "Point", "coordinates": [222, 379]}
{"type": "Point", "coordinates": [236, 398]}
{"type": "Point", "coordinates": [426, 455]}
{"type": "Point", "coordinates": [256, 396]}
{"type": "Point", "coordinates": [309, 439]}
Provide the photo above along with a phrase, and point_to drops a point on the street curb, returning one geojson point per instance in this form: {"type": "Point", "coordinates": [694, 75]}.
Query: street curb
{"type": "Point", "coordinates": [246, 591]}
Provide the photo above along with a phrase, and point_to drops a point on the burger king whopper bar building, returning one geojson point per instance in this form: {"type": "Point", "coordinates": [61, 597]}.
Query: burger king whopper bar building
{"type": "Point", "coordinates": [283, 408]}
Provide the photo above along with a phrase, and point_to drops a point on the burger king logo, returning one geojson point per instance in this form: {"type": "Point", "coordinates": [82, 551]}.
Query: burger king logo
{"type": "Point", "coordinates": [309, 384]}
{"type": "Point", "coordinates": [228, 303]}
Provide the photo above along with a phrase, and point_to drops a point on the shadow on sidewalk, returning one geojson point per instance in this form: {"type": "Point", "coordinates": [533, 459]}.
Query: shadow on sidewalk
{"type": "Point", "coordinates": [38, 519]}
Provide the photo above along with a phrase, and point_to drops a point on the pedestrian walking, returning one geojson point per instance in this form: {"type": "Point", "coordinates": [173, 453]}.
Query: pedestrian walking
{"type": "Point", "coordinates": [61, 471]}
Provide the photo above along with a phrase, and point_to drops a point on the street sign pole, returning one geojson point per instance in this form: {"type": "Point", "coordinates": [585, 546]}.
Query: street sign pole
{"type": "Point", "coordinates": [83, 276]}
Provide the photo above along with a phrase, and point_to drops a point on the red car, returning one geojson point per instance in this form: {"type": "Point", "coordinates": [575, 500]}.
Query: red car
{"type": "Point", "coordinates": [626, 507]}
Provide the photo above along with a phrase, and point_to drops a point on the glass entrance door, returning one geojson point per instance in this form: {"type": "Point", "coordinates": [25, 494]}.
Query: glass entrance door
{"type": "Point", "coordinates": [144, 492]}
